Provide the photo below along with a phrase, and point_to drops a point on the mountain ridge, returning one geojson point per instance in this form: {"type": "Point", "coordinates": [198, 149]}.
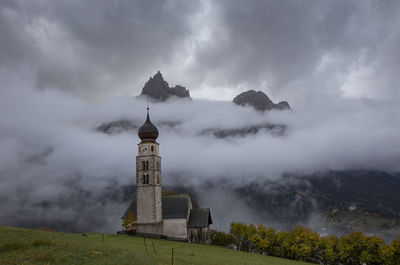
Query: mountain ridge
{"type": "Point", "coordinates": [157, 89]}
{"type": "Point", "coordinates": [260, 101]}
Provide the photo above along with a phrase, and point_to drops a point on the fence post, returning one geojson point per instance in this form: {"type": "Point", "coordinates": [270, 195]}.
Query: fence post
{"type": "Point", "coordinates": [154, 247]}
{"type": "Point", "coordinates": [144, 241]}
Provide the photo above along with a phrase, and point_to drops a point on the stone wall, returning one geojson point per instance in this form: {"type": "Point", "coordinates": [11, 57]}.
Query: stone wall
{"type": "Point", "coordinates": [149, 230]}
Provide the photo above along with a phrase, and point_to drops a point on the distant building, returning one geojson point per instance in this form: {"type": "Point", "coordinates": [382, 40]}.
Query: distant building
{"type": "Point", "coordinates": [152, 214]}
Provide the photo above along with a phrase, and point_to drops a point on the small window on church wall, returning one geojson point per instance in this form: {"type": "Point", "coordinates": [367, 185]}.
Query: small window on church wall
{"type": "Point", "coordinates": [144, 165]}
{"type": "Point", "coordinates": [157, 165]}
{"type": "Point", "coordinates": [145, 179]}
{"type": "Point", "coordinates": [158, 180]}
{"type": "Point", "coordinates": [147, 165]}
{"type": "Point", "coordinates": [152, 148]}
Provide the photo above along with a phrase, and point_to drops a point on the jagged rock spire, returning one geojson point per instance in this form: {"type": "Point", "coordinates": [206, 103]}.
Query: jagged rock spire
{"type": "Point", "coordinates": [158, 89]}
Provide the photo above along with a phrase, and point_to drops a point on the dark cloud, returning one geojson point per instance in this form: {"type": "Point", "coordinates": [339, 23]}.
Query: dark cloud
{"type": "Point", "coordinates": [302, 49]}
{"type": "Point", "coordinates": [291, 50]}
{"type": "Point", "coordinates": [92, 47]}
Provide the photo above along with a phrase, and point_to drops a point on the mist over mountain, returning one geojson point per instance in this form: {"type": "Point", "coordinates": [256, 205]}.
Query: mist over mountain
{"type": "Point", "coordinates": [123, 126]}
{"type": "Point", "coordinates": [294, 197]}
{"type": "Point", "coordinates": [72, 171]}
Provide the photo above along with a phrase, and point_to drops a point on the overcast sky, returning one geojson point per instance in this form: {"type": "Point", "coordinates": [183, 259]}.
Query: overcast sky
{"type": "Point", "coordinates": [291, 50]}
{"type": "Point", "coordinates": [67, 66]}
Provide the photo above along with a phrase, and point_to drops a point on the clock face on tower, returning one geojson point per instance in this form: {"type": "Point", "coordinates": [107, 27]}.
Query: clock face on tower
{"type": "Point", "coordinates": [144, 149]}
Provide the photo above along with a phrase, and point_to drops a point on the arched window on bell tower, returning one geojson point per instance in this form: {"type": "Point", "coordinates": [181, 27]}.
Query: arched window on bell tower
{"type": "Point", "coordinates": [145, 179]}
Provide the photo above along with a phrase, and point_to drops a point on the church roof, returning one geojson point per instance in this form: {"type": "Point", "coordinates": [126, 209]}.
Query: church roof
{"type": "Point", "coordinates": [199, 217]}
{"type": "Point", "coordinates": [131, 208]}
{"type": "Point", "coordinates": [173, 206]}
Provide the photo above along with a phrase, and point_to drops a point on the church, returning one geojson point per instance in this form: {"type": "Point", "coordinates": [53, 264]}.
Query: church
{"type": "Point", "coordinates": [154, 214]}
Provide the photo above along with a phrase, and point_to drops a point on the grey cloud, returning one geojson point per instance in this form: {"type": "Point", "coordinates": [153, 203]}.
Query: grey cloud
{"type": "Point", "coordinates": [302, 49]}
{"type": "Point", "coordinates": [92, 47]}
{"type": "Point", "coordinates": [292, 50]}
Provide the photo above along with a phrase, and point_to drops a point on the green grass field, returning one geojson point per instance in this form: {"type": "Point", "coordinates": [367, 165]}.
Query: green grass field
{"type": "Point", "coordinates": [28, 246]}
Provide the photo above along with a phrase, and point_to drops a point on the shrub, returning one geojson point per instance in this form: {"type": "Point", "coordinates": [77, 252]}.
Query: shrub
{"type": "Point", "coordinates": [221, 238]}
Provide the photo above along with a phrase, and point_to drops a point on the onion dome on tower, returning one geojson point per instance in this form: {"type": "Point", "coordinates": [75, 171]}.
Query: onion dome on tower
{"type": "Point", "coordinates": [148, 131]}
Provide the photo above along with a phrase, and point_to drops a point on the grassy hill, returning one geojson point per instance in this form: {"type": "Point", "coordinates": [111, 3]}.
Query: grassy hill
{"type": "Point", "coordinates": [28, 246]}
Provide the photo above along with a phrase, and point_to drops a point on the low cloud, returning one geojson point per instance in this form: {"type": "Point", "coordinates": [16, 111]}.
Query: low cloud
{"type": "Point", "coordinates": [55, 166]}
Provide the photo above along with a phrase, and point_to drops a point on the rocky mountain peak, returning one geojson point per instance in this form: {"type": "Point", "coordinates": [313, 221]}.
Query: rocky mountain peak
{"type": "Point", "coordinates": [159, 90]}
{"type": "Point", "coordinates": [158, 77]}
{"type": "Point", "coordinates": [259, 100]}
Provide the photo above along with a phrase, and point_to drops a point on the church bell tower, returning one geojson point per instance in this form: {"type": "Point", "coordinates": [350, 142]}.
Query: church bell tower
{"type": "Point", "coordinates": [148, 181]}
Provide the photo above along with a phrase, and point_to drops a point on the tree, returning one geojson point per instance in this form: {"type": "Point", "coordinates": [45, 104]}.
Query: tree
{"type": "Point", "coordinates": [373, 251]}
{"type": "Point", "coordinates": [129, 223]}
{"type": "Point", "coordinates": [237, 231]}
{"type": "Point", "coordinates": [391, 254]}
{"type": "Point", "coordinates": [283, 243]}
{"type": "Point", "coordinates": [396, 250]}
{"type": "Point", "coordinates": [263, 241]}
{"type": "Point", "coordinates": [328, 250]}
{"type": "Point", "coordinates": [221, 238]}
{"type": "Point", "coordinates": [304, 243]}
{"type": "Point", "coordinates": [242, 234]}
{"type": "Point", "coordinates": [351, 247]}
{"type": "Point", "coordinates": [250, 231]}
{"type": "Point", "coordinates": [299, 244]}
{"type": "Point", "coordinates": [271, 236]}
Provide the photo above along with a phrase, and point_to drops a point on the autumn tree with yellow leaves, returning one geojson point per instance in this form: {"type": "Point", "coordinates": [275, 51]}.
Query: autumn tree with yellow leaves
{"type": "Point", "coordinates": [129, 223]}
{"type": "Point", "coordinates": [305, 245]}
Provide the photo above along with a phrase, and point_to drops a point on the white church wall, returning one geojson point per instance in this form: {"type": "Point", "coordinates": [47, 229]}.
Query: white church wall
{"type": "Point", "coordinates": [176, 227]}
